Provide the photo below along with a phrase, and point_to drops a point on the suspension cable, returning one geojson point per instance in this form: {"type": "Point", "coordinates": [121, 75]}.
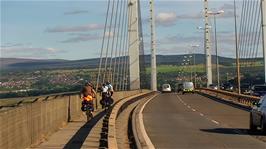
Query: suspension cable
{"type": "Point", "coordinates": [103, 39]}
{"type": "Point", "coordinates": [116, 47]}
{"type": "Point", "coordinates": [127, 48]}
{"type": "Point", "coordinates": [113, 40]}
{"type": "Point", "coordinates": [247, 35]}
{"type": "Point", "coordinates": [123, 53]}
{"type": "Point", "coordinates": [120, 48]}
{"type": "Point", "coordinates": [109, 36]}
{"type": "Point", "coordinates": [254, 34]}
{"type": "Point", "coordinates": [250, 34]}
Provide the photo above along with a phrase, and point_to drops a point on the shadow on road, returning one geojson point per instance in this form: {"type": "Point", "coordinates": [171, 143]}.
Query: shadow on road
{"type": "Point", "coordinates": [234, 131]}
{"type": "Point", "coordinates": [80, 136]}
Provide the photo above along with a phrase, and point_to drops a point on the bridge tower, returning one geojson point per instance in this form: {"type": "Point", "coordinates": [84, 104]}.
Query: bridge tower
{"type": "Point", "coordinates": [134, 44]}
{"type": "Point", "coordinates": [207, 45]}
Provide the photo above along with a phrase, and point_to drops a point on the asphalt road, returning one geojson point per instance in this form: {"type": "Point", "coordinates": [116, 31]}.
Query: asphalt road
{"type": "Point", "coordinates": [194, 121]}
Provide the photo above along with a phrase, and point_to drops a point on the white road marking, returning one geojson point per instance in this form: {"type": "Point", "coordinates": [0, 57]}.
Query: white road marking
{"type": "Point", "coordinates": [201, 114]}
{"type": "Point", "coordinates": [215, 122]}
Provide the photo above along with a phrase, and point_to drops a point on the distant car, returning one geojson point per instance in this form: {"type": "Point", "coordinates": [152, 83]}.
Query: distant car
{"type": "Point", "coordinates": [188, 87]}
{"type": "Point", "coordinates": [258, 115]}
{"type": "Point", "coordinates": [166, 88]}
{"type": "Point", "coordinates": [245, 89]}
{"type": "Point", "coordinates": [179, 87]}
{"type": "Point", "coordinates": [213, 86]}
{"type": "Point", "coordinates": [258, 90]}
{"type": "Point", "coordinates": [228, 87]}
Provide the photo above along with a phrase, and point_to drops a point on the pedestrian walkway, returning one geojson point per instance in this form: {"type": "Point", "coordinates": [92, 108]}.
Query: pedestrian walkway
{"type": "Point", "coordinates": [73, 135]}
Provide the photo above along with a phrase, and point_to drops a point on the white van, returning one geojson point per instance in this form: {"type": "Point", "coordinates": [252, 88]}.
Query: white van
{"type": "Point", "coordinates": [166, 88]}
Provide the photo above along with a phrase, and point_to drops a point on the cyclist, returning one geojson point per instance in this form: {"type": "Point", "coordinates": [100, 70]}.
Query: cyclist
{"type": "Point", "coordinates": [110, 88]}
{"type": "Point", "coordinates": [110, 93]}
{"type": "Point", "coordinates": [104, 90]}
{"type": "Point", "coordinates": [87, 100]}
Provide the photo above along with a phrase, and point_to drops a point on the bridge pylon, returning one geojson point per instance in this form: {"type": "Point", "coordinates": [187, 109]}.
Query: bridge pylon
{"type": "Point", "coordinates": [134, 42]}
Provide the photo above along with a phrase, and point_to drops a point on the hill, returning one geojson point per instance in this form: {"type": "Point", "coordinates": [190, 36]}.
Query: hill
{"type": "Point", "coordinates": [35, 64]}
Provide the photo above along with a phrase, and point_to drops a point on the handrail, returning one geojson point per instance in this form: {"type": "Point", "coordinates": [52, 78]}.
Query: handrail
{"type": "Point", "coordinates": [244, 100]}
{"type": "Point", "coordinates": [14, 102]}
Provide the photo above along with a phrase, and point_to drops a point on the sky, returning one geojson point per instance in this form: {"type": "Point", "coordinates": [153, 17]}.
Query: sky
{"type": "Point", "coordinates": [73, 30]}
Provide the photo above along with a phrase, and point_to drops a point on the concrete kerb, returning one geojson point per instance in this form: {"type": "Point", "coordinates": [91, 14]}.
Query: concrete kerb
{"type": "Point", "coordinates": [142, 141]}
{"type": "Point", "coordinates": [112, 142]}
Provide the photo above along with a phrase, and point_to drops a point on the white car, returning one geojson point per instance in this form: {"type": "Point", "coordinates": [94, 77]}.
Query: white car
{"type": "Point", "coordinates": [166, 88]}
{"type": "Point", "coordinates": [258, 115]}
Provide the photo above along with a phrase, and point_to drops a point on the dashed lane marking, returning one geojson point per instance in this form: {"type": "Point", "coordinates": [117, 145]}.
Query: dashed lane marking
{"type": "Point", "coordinates": [201, 114]}
{"type": "Point", "coordinates": [215, 122]}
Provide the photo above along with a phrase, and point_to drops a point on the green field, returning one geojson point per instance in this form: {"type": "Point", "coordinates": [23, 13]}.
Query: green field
{"type": "Point", "coordinates": [176, 69]}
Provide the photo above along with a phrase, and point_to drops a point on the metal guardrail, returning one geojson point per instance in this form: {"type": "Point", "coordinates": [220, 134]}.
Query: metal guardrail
{"type": "Point", "coordinates": [14, 102]}
{"type": "Point", "coordinates": [240, 99]}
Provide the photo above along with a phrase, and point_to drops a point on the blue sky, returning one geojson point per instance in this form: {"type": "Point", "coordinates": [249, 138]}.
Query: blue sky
{"type": "Point", "coordinates": [73, 29]}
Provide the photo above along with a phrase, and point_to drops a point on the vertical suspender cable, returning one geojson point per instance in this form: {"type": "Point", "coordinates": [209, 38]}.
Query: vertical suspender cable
{"type": "Point", "coordinates": [120, 48]}
{"type": "Point", "coordinates": [117, 42]}
{"type": "Point", "coordinates": [256, 34]}
{"type": "Point", "coordinates": [241, 30]}
{"type": "Point", "coordinates": [109, 36]}
{"type": "Point", "coordinates": [244, 31]}
{"type": "Point", "coordinates": [246, 34]}
{"type": "Point", "coordinates": [250, 33]}
{"type": "Point", "coordinates": [125, 79]}
{"type": "Point", "coordinates": [100, 63]}
{"type": "Point", "coordinates": [110, 74]}
{"type": "Point", "coordinates": [123, 54]}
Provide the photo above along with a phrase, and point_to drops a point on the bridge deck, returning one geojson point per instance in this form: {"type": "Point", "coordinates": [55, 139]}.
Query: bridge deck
{"type": "Point", "coordinates": [194, 121]}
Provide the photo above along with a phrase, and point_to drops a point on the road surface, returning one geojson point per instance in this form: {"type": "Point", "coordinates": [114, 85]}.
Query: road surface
{"type": "Point", "coordinates": [194, 121]}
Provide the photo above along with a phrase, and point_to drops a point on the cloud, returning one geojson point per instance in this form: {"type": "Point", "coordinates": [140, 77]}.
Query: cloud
{"type": "Point", "coordinates": [227, 6]}
{"type": "Point", "coordinates": [8, 45]}
{"type": "Point", "coordinates": [82, 37]}
{"type": "Point", "coordinates": [190, 16]}
{"type": "Point", "coordinates": [75, 12]}
{"type": "Point", "coordinates": [82, 28]}
{"type": "Point", "coordinates": [179, 39]}
{"type": "Point", "coordinates": [30, 52]}
{"type": "Point", "coordinates": [28, 49]}
{"type": "Point", "coordinates": [166, 18]}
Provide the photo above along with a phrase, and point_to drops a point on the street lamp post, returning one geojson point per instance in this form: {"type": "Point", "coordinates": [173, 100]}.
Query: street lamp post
{"type": "Point", "coordinates": [194, 59]}
{"type": "Point", "coordinates": [216, 47]}
{"type": "Point", "coordinates": [205, 52]}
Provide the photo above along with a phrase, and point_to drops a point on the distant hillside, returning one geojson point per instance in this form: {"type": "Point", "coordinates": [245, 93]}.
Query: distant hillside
{"type": "Point", "coordinates": [35, 64]}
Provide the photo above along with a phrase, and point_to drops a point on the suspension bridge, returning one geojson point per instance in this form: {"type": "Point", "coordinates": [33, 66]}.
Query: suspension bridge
{"type": "Point", "coordinates": [142, 117]}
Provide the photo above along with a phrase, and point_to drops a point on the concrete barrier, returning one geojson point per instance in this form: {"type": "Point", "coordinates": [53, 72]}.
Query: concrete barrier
{"type": "Point", "coordinates": [29, 124]}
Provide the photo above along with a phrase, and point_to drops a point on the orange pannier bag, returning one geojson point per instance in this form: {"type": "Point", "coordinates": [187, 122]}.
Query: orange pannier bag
{"type": "Point", "coordinates": [88, 98]}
